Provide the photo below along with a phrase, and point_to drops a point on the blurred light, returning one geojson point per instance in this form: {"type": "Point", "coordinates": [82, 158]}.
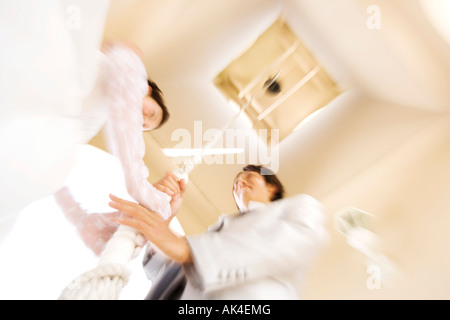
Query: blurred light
{"type": "Point", "coordinates": [186, 152]}
{"type": "Point", "coordinates": [438, 14]}
{"type": "Point", "coordinates": [246, 121]}
{"type": "Point", "coordinates": [308, 119]}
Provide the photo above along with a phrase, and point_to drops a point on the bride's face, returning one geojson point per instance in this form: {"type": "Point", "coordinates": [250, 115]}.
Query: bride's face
{"type": "Point", "coordinates": [152, 113]}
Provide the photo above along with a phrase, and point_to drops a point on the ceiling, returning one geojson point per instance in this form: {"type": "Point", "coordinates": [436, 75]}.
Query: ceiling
{"type": "Point", "coordinates": [394, 79]}
{"type": "Point", "coordinates": [187, 43]}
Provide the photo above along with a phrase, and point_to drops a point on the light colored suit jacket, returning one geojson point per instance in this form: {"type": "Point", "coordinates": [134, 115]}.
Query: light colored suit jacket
{"type": "Point", "coordinates": [261, 254]}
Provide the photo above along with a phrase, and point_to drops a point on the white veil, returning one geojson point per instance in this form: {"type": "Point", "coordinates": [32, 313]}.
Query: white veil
{"type": "Point", "coordinates": [49, 65]}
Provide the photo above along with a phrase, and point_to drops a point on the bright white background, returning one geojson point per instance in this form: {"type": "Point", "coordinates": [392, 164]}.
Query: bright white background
{"type": "Point", "coordinates": [43, 254]}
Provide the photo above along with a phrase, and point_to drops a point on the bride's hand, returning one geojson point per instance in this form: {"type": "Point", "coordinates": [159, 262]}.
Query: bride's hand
{"type": "Point", "coordinates": [174, 187]}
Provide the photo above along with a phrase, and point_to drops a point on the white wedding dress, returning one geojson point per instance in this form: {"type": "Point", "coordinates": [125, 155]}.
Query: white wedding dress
{"type": "Point", "coordinates": [54, 98]}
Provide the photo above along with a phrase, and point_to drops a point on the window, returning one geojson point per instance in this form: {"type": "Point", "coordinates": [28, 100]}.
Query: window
{"type": "Point", "coordinates": [278, 81]}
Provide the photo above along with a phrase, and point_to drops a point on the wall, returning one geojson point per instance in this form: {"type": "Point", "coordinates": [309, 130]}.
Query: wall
{"type": "Point", "coordinates": [393, 162]}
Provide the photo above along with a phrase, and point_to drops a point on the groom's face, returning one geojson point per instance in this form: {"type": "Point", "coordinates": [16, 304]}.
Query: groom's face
{"type": "Point", "coordinates": [251, 186]}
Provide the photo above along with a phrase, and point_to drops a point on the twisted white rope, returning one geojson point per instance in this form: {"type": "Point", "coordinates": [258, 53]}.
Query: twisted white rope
{"type": "Point", "coordinates": [106, 281]}
{"type": "Point", "coordinates": [102, 283]}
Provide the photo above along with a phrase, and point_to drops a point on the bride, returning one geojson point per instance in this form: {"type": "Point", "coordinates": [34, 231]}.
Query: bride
{"type": "Point", "coordinates": [60, 87]}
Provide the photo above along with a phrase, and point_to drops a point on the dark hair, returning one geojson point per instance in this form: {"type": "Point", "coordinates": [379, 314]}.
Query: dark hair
{"type": "Point", "coordinates": [157, 95]}
{"type": "Point", "coordinates": [269, 177]}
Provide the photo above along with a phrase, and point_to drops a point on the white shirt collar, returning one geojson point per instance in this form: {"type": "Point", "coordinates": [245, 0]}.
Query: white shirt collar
{"type": "Point", "coordinates": [255, 205]}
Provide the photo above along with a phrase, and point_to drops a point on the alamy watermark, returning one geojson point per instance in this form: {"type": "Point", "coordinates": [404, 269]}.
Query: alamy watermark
{"type": "Point", "coordinates": [373, 22]}
{"type": "Point", "coordinates": [374, 279]}
{"type": "Point", "coordinates": [73, 21]}
{"type": "Point", "coordinates": [249, 140]}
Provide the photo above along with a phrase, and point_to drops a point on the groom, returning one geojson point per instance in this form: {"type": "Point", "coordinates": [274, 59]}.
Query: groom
{"type": "Point", "coordinates": [263, 252]}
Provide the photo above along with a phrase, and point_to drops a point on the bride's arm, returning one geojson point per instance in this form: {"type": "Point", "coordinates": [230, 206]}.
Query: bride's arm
{"type": "Point", "coordinates": [126, 86]}
{"type": "Point", "coordinates": [94, 229]}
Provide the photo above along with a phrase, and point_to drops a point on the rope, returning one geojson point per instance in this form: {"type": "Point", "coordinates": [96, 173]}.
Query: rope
{"type": "Point", "coordinates": [106, 281]}
{"type": "Point", "coordinates": [102, 283]}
